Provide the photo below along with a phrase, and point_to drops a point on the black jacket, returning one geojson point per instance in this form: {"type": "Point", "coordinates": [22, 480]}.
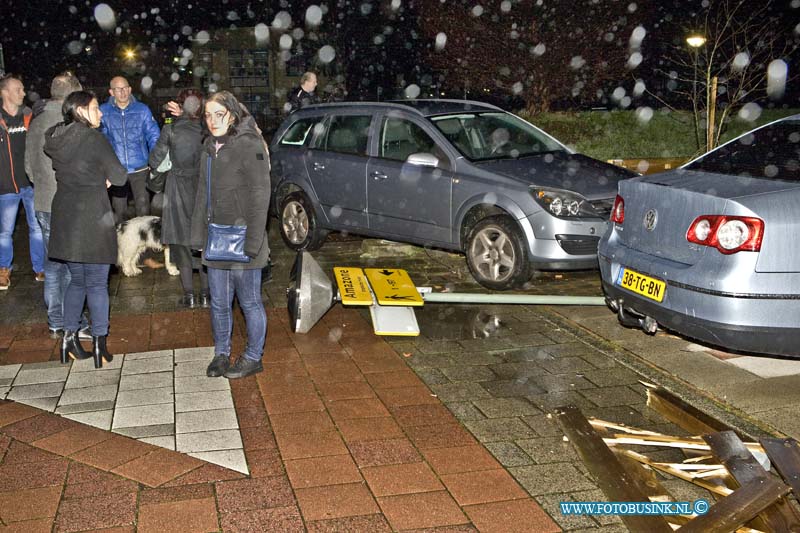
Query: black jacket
{"type": "Point", "coordinates": [240, 190]}
{"type": "Point", "coordinates": [182, 140]}
{"type": "Point", "coordinates": [82, 223]}
{"type": "Point", "coordinates": [299, 98]}
{"type": "Point", "coordinates": [10, 182]}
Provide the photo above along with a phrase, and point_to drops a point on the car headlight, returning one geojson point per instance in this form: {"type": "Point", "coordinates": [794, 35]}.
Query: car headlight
{"type": "Point", "coordinates": [564, 204]}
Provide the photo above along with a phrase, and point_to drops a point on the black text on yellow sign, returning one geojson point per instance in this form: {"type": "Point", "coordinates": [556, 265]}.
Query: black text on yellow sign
{"type": "Point", "coordinates": [393, 287]}
{"type": "Point", "coordinates": [353, 286]}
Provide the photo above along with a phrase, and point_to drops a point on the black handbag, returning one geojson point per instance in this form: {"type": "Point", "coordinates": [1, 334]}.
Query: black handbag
{"type": "Point", "coordinates": [225, 242]}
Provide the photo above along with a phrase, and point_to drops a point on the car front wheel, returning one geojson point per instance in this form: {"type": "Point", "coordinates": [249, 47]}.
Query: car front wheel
{"type": "Point", "coordinates": [299, 228]}
{"type": "Point", "coordinates": [496, 254]}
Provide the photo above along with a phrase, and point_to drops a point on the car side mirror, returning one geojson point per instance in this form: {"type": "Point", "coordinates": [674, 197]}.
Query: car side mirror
{"type": "Point", "coordinates": [423, 159]}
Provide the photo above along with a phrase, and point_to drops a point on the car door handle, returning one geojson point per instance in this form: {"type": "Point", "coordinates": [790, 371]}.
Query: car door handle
{"type": "Point", "coordinates": [319, 166]}
{"type": "Point", "coordinates": [379, 175]}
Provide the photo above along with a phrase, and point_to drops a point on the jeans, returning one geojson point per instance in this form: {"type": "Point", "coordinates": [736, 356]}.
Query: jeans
{"type": "Point", "coordinates": [88, 282]}
{"type": "Point", "coordinates": [246, 284]}
{"type": "Point", "coordinates": [9, 206]}
{"type": "Point", "coordinates": [56, 278]}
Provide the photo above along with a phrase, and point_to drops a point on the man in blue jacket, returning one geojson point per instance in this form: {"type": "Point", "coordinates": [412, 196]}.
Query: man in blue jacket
{"type": "Point", "coordinates": [133, 132]}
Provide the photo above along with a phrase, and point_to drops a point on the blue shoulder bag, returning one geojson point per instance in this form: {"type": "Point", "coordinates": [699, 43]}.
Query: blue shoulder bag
{"type": "Point", "coordinates": [225, 241]}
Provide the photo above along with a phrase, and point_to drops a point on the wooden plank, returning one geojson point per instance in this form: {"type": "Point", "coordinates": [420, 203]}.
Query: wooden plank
{"type": "Point", "coordinates": [680, 474]}
{"type": "Point", "coordinates": [739, 508]}
{"type": "Point", "coordinates": [682, 414]}
{"type": "Point", "coordinates": [610, 475]}
{"type": "Point", "coordinates": [746, 469]}
{"type": "Point", "coordinates": [784, 454]}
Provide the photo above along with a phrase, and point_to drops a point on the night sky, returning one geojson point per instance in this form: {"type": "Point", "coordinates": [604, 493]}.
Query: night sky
{"type": "Point", "coordinates": [380, 44]}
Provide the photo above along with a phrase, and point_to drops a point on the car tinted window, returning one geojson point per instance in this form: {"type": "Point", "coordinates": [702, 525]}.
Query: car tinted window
{"type": "Point", "coordinates": [401, 138]}
{"type": "Point", "coordinates": [494, 135]}
{"type": "Point", "coordinates": [298, 133]}
{"type": "Point", "coordinates": [772, 152]}
{"type": "Point", "coordinates": [347, 134]}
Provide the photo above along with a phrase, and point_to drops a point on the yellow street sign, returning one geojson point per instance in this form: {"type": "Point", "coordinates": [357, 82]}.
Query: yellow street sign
{"type": "Point", "coordinates": [353, 286]}
{"type": "Point", "coordinates": [393, 287]}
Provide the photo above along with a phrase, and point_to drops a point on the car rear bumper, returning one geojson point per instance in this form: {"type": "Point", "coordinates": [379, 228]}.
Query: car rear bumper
{"type": "Point", "coordinates": [747, 324]}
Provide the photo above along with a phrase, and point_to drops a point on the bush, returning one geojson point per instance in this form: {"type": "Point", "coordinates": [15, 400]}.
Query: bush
{"type": "Point", "coordinates": [620, 135]}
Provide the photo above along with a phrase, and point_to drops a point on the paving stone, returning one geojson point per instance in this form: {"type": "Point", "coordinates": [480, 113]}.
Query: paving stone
{"type": "Point", "coordinates": [465, 411]}
{"type": "Point", "coordinates": [609, 377]}
{"type": "Point", "coordinates": [203, 401]}
{"type": "Point", "coordinates": [147, 366]}
{"type": "Point", "coordinates": [564, 364]}
{"type": "Point", "coordinates": [506, 407]}
{"type": "Point", "coordinates": [132, 398]}
{"type": "Point", "coordinates": [424, 360]}
{"type": "Point", "coordinates": [9, 371]}
{"type": "Point", "coordinates": [200, 384]}
{"type": "Point", "coordinates": [146, 415]}
{"type": "Point", "coordinates": [101, 393]}
{"type": "Point", "coordinates": [194, 421]}
{"type": "Point", "coordinates": [87, 365]}
{"type": "Point", "coordinates": [549, 450]}
{"type": "Point", "coordinates": [138, 432]}
{"type": "Point", "coordinates": [515, 387]}
{"type": "Point", "coordinates": [499, 429]}
{"type": "Point", "coordinates": [506, 516]}
{"type": "Point", "coordinates": [543, 425]}
{"type": "Point", "coordinates": [432, 376]}
{"type": "Point", "coordinates": [45, 404]}
{"type": "Point", "coordinates": [611, 396]}
{"type": "Point", "coordinates": [98, 419]}
{"type": "Point", "coordinates": [78, 380]}
{"type": "Point", "coordinates": [203, 353]}
{"type": "Point", "coordinates": [31, 376]}
{"type": "Point", "coordinates": [146, 381]}
{"type": "Point", "coordinates": [509, 454]}
{"type": "Point", "coordinates": [422, 510]}
{"type": "Point", "coordinates": [553, 400]}
{"type": "Point", "coordinates": [147, 355]}
{"type": "Point", "coordinates": [453, 392]}
{"type": "Point", "coordinates": [206, 441]}
{"type": "Point", "coordinates": [191, 368]}
{"type": "Point", "coordinates": [188, 515]}
{"type": "Point", "coordinates": [551, 478]}
{"type": "Point", "coordinates": [4, 392]}
{"type": "Point", "coordinates": [40, 390]}
{"type": "Point", "coordinates": [469, 373]}
{"type": "Point", "coordinates": [85, 407]}
{"type": "Point", "coordinates": [167, 441]}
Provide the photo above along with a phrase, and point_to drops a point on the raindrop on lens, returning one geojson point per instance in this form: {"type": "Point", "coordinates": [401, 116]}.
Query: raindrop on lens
{"type": "Point", "coordinates": [412, 91]}
{"type": "Point", "coordinates": [327, 53]}
{"type": "Point", "coordinates": [313, 15]}
{"type": "Point", "coordinates": [441, 40]}
{"type": "Point", "coordinates": [262, 33]}
{"type": "Point", "coordinates": [105, 17]}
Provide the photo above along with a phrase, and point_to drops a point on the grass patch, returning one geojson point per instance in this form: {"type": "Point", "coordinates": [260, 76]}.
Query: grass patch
{"type": "Point", "coordinates": [619, 135]}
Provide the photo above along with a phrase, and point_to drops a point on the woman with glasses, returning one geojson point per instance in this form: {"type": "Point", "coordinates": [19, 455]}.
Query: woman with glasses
{"type": "Point", "coordinates": [82, 223]}
{"type": "Point", "coordinates": [236, 164]}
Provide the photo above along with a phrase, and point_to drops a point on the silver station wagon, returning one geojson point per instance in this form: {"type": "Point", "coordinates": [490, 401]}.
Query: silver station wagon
{"type": "Point", "coordinates": [711, 250]}
{"type": "Point", "coordinates": [448, 174]}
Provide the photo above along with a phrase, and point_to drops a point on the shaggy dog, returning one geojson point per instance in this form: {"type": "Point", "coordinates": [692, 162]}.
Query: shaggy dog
{"type": "Point", "coordinates": [134, 237]}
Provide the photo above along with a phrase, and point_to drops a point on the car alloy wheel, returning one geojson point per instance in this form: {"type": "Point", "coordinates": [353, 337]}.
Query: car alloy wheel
{"type": "Point", "coordinates": [496, 253]}
{"type": "Point", "coordinates": [492, 253]}
{"type": "Point", "coordinates": [294, 221]}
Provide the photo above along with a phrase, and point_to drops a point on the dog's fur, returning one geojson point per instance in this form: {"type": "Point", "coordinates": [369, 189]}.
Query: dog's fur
{"type": "Point", "coordinates": [134, 237]}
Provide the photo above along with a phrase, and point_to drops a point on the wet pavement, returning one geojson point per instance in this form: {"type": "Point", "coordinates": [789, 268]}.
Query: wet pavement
{"type": "Point", "coordinates": [348, 431]}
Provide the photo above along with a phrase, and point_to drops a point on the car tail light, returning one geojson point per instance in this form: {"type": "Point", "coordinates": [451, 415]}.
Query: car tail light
{"type": "Point", "coordinates": [618, 212]}
{"type": "Point", "coordinates": [727, 234]}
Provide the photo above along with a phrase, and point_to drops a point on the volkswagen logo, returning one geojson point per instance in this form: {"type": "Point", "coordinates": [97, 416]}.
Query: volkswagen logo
{"type": "Point", "coordinates": [650, 219]}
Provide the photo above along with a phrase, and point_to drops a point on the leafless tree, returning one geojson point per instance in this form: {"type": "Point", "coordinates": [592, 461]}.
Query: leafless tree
{"type": "Point", "coordinates": [736, 43]}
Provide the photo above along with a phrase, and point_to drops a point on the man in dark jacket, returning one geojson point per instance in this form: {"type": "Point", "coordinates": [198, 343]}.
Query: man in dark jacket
{"type": "Point", "coordinates": [14, 184]}
{"type": "Point", "coordinates": [304, 94]}
{"type": "Point", "coordinates": [133, 132]}
{"type": "Point", "coordinates": [39, 168]}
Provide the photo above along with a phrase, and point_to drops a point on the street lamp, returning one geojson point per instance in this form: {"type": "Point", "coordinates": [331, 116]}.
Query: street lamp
{"type": "Point", "coordinates": [129, 54]}
{"type": "Point", "coordinates": [695, 41]}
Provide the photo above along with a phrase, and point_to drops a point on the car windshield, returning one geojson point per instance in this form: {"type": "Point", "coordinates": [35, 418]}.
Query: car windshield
{"type": "Point", "coordinates": [772, 152]}
{"type": "Point", "coordinates": [494, 135]}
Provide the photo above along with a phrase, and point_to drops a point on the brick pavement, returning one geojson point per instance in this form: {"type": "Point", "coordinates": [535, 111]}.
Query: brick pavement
{"type": "Point", "coordinates": [343, 430]}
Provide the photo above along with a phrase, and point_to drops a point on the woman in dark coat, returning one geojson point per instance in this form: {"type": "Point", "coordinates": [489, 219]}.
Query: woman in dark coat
{"type": "Point", "coordinates": [182, 141]}
{"type": "Point", "coordinates": [237, 158]}
{"type": "Point", "coordinates": [82, 222]}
